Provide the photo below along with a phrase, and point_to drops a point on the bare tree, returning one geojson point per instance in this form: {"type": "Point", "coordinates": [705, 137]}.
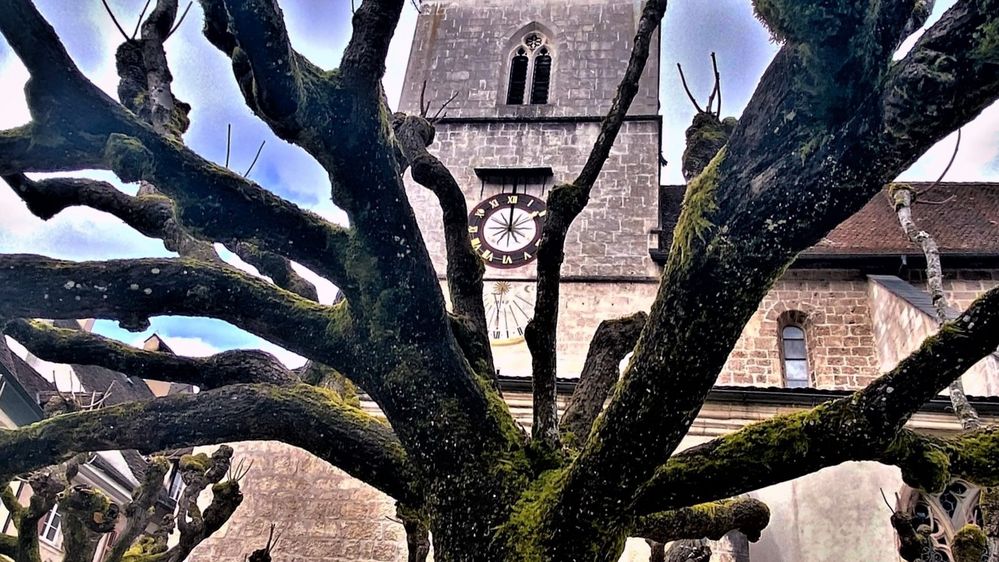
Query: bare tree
{"type": "Point", "coordinates": [850, 120]}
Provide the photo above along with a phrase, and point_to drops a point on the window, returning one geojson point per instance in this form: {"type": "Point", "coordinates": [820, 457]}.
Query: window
{"type": "Point", "coordinates": [944, 514]}
{"type": "Point", "coordinates": [530, 71]}
{"type": "Point", "coordinates": [176, 484]}
{"type": "Point", "coordinates": [50, 526]}
{"type": "Point", "coordinates": [794, 354]}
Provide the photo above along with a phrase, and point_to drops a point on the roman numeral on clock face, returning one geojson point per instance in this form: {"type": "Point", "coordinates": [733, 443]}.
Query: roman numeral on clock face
{"type": "Point", "coordinates": [505, 229]}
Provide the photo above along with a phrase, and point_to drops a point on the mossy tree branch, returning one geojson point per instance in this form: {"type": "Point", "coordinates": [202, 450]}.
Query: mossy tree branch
{"type": "Point", "coordinates": [8, 546]}
{"type": "Point", "coordinates": [363, 62]}
{"type": "Point", "coordinates": [314, 419]}
{"type": "Point", "coordinates": [864, 426]}
{"type": "Point", "coordinates": [565, 203]}
{"type": "Point", "coordinates": [713, 520]}
{"type": "Point", "coordinates": [87, 514]}
{"type": "Point", "coordinates": [153, 215]}
{"type": "Point", "coordinates": [131, 291]}
{"type": "Point", "coordinates": [139, 511]}
{"type": "Point", "coordinates": [464, 268]}
{"type": "Point", "coordinates": [97, 132]}
{"type": "Point", "coordinates": [60, 345]}
{"type": "Point", "coordinates": [769, 194]}
{"type": "Point", "coordinates": [612, 341]}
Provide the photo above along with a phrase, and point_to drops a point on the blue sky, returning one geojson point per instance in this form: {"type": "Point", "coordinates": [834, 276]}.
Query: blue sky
{"type": "Point", "coordinates": [320, 29]}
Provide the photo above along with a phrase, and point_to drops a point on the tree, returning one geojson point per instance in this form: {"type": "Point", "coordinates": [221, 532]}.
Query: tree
{"type": "Point", "coordinates": [850, 120]}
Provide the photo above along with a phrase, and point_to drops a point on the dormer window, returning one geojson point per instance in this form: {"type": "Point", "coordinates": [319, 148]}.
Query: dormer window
{"type": "Point", "coordinates": [530, 71]}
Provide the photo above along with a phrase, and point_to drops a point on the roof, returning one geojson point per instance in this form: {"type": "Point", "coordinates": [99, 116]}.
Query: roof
{"type": "Point", "coordinates": [26, 376]}
{"type": "Point", "coordinates": [118, 387]}
{"type": "Point", "coordinates": [962, 217]}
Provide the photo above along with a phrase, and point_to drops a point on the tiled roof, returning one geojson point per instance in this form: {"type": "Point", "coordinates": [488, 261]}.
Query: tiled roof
{"type": "Point", "coordinates": [118, 387]}
{"type": "Point", "coordinates": [962, 217]}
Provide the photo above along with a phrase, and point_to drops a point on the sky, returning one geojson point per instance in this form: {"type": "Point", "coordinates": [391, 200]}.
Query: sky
{"type": "Point", "coordinates": [320, 29]}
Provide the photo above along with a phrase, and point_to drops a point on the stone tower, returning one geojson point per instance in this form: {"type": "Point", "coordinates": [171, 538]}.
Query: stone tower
{"type": "Point", "coordinates": [531, 82]}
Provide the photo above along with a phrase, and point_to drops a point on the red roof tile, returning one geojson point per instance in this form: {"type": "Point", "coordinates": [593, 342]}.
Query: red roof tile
{"type": "Point", "coordinates": [966, 221]}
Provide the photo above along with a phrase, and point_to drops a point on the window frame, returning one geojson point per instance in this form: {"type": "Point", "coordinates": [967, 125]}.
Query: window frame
{"type": "Point", "coordinates": [47, 524]}
{"type": "Point", "coordinates": [797, 322]}
{"type": "Point", "coordinates": [523, 48]}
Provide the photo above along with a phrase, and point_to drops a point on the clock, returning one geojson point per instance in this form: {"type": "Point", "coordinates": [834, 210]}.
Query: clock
{"type": "Point", "coordinates": [505, 229]}
{"type": "Point", "coordinates": [509, 307]}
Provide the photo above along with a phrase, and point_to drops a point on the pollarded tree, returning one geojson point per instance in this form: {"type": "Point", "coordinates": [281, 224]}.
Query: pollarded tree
{"type": "Point", "coordinates": [833, 120]}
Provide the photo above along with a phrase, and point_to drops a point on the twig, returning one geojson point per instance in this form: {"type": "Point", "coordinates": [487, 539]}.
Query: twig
{"type": "Point", "coordinates": [228, 143]}
{"type": "Point", "coordinates": [885, 498]}
{"type": "Point", "coordinates": [180, 21]}
{"type": "Point", "coordinates": [953, 156]}
{"type": "Point", "coordinates": [138, 24]}
{"type": "Point", "coordinates": [114, 19]}
{"type": "Point", "coordinates": [690, 96]}
{"type": "Point", "coordinates": [443, 107]}
{"type": "Point", "coordinates": [718, 90]}
{"type": "Point", "coordinates": [424, 108]}
{"type": "Point", "coordinates": [254, 163]}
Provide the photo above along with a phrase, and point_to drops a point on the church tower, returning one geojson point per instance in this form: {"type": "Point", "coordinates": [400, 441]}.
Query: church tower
{"type": "Point", "coordinates": [530, 83]}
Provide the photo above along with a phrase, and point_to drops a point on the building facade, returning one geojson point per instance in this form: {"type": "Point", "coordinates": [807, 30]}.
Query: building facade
{"type": "Point", "coordinates": [528, 83]}
{"type": "Point", "coordinates": [27, 383]}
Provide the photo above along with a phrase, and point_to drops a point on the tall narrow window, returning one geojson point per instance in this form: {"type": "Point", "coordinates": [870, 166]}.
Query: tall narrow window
{"type": "Point", "coordinates": [50, 526]}
{"type": "Point", "coordinates": [530, 71]}
{"type": "Point", "coordinates": [518, 78]}
{"type": "Point", "coordinates": [795, 356]}
{"type": "Point", "coordinates": [542, 77]}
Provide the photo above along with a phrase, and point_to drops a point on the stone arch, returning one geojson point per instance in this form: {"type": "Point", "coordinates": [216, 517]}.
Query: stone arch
{"type": "Point", "coordinates": [785, 316]}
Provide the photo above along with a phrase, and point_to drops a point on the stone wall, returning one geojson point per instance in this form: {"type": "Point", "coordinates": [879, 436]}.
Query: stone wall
{"type": "Point", "coordinates": [464, 47]}
{"type": "Point", "coordinates": [900, 326]}
{"type": "Point", "coordinates": [612, 235]}
{"type": "Point", "coordinates": [838, 331]}
{"type": "Point", "coordinates": [322, 513]}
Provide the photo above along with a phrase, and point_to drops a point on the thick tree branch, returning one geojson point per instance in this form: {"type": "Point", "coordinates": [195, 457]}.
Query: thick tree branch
{"type": "Point", "coordinates": [8, 546]}
{"type": "Point", "coordinates": [265, 51]}
{"type": "Point", "coordinates": [363, 62]}
{"type": "Point", "coordinates": [301, 415]}
{"type": "Point", "coordinates": [464, 268]}
{"type": "Point", "coordinates": [153, 215]}
{"type": "Point", "coordinates": [87, 514]}
{"type": "Point", "coordinates": [564, 204]}
{"type": "Point", "coordinates": [749, 516]}
{"type": "Point", "coordinates": [140, 509]}
{"type": "Point", "coordinates": [864, 426]}
{"type": "Point", "coordinates": [131, 291]}
{"type": "Point", "coordinates": [278, 268]}
{"type": "Point", "coordinates": [952, 73]}
{"type": "Point", "coordinates": [145, 79]}
{"type": "Point", "coordinates": [612, 341]}
{"type": "Point", "coordinates": [60, 345]}
{"type": "Point", "coordinates": [94, 131]}
{"type": "Point", "coordinates": [771, 193]}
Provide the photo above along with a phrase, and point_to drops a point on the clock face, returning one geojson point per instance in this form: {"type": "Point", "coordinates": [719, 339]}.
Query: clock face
{"type": "Point", "coordinates": [508, 308]}
{"type": "Point", "coordinates": [505, 229]}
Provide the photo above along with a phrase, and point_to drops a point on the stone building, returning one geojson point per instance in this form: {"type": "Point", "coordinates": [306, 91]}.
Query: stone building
{"type": "Point", "coordinates": [27, 384]}
{"type": "Point", "coordinates": [530, 82]}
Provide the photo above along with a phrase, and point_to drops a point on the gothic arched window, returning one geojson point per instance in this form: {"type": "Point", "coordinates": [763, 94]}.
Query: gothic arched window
{"type": "Point", "coordinates": [941, 516]}
{"type": "Point", "coordinates": [794, 351]}
{"type": "Point", "coordinates": [530, 71]}
{"type": "Point", "coordinates": [518, 78]}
